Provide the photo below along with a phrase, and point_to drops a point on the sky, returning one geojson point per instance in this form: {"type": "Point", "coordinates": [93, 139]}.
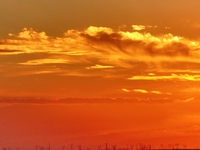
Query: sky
{"type": "Point", "coordinates": [91, 72]}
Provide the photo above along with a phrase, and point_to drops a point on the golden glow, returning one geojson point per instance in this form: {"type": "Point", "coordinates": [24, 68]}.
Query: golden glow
{"type": "Point", "coordinates": [132, 68]}
{"type": "Point", "coordinates": [94, 72]}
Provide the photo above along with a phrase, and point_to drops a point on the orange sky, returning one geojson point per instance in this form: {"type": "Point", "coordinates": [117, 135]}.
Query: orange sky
{"type": "Point", "coordinates": [90, 72]}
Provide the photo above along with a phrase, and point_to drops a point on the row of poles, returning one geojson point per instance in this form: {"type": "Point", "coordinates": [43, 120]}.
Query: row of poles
{"type": "Point", "coordinates": [132, 147]}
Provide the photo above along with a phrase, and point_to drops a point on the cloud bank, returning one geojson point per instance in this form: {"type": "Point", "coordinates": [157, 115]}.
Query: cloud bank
{"type": "Point", "coordinates": [102, 46]}
{"type": "Point", "coordinates": [102, 52]}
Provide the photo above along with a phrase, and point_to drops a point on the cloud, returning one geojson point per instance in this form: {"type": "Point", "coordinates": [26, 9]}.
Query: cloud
{"type": "Point", "coordinates": [143, 91]}
{"type": "Point", "coordinates": [141, 27]}
{"type": "Point", "coordinates": [155, 92]}
{"type": "Point", "coordinates": [100, 67]}
{"type": "Point", "coordinates": [167, 28]}
{"type": "Point", "coordinates": [7, 52]}
{"type": "Point", "coordinates": [140, 91]}
{"type": "Point", "coordinates": [104, 48]}
{"type": "Point", "coordinates": [138, 27]}
{"type": "Point", "coordinates": [30, 34]}
{"type": "Point", "coordinates": [148, 92]}
{"type": "Point", "coordinates": [188, 100]}
{"type": "Point", "coordinates": [44, 61]}
{"type": "Point", "coordinates": [180, 77]}
{"type": "Point", "coordinates": [125, 90]}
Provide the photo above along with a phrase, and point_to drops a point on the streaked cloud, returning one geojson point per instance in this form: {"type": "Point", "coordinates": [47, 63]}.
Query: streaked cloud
{"type": "Point", "coordinates": [181, 77]}
{"type": "Point", "coordinates": [189, 99]}
{"type": "Point", "coordinates": [155, 92]}
{"type": "Point", "coordinates": [118, 56]}
{"type": "Point", "coordinates": [114, 48]}
{"type": "Point", "coordinates": [100, 67]}
{"type": "Point", "coordinates": [149, 92]}
{"type": "Point", "coordinates": [44, 61]}
{"type": "Point", "coordinates": [125, 90]}
{"type": "Point", "coordinates": [140, 91]}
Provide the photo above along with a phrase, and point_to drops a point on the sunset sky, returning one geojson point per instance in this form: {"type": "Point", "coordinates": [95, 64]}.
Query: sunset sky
{"type": "Point", "coordinates": [89, 72]}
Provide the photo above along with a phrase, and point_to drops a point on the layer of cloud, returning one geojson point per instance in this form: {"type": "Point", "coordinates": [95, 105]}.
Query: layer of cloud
{"type": "Point", "coordinates": [126, 56]}
{"type": "Point", "coordinates": [143, 91]}
{"type": "Point", "coordinates": [45, 61]}
{"type": "Point", "coordinates": [181, 77]}
{"type": "Point", "coordinates": [99, 67]}
{"type": "Point", "coordinates": [39, 100]}
{"type": "Point", "coordinates": [101, 41]}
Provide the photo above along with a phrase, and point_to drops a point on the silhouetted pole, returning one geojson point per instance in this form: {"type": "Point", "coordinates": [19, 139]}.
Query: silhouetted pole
{"type": "Point", "coordinates": [131, 147]}
{"type": "Point", "coordinates": [149, 146]}
{"type": "Point", "coordinates": [114, 147]}
{"type": "Point", "coordinates": [79, 147]}
{"type": "Point", "coordinates": [106, 146]}
{"type": "Point", "coordinates": [71, 146]}
{"type": "Point", "coordinates": [161, 146]}
{"type": "Point", "coordinates": [177, 145]}
{"type": "Point", "coordinates": [169, 146]}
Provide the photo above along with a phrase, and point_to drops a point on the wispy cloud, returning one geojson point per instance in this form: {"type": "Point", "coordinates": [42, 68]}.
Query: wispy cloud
{"type": "Point", "coordinates": [143, 91]}
{"type": "Point", "coordinates": [100, 67]}
{"type": "Point", "coordinates": [140, 91]}
{"type": "Point", "coordinates": [156, 92]}
{"type": "Point", "coordinates": [125, 90]}
{"type": "Point", "coordinates": [150, 92]}
{"type": "Point", "coordinates": [189, 99]}
{"type": "Point", "coordinates": [103, 48]}
{"type": "Point", "coordinates": [142, 27]}
{"type": "Point", "coordinates": [45, 61]}
{"type": "Point", "coordinates": [181, 77]}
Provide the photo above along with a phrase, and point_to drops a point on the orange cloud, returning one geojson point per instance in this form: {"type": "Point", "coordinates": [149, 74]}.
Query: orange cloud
{"type": "Point", "coordinates": [138, 27]}
{"type": "Point", "coordinates": [181, 77]}
{"type": "Point", "coordinates": [102, 48]}
{"type": "Point", "coordinates": [30, 34]}
{"type": "Point", "coordinates": [149, 92]}
{"type": "Point", "coordinates": [155, 92]}
{"type": "Point", "coordinates": [99, 67]}
{"type": "Point", "coordinates": [44, 61]}
{"type": "Point", "coordinates": [141, 27]}
{"type": "Point", "coordinates": [125, 90]}
{"type": "Point", "coordinates": [140, 91]}
{"type": "Point", "coordinates": [146, 91]}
